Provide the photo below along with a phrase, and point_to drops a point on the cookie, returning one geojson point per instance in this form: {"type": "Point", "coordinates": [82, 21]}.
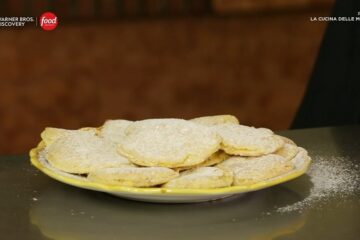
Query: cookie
{"type": "Point", "coordinates": [202, 178]}
{"type": "Point", "coordinates": [113, 130]}
{"type": "Point", "coordinates": [287, 140]}
{"type": "Point", "coordinates": [250, 170]}
{"type": "Point", "coordinates": [133, 176]}
{"type": "Point", "coordinates": [288, 151]}
{"type": "Point", "coordinates": [301, 157]}
{"type": "Point", "coordinates": [83, 152]}
{"type": "Point", "coordinates": [215, 120]}
{"type": "Point", "coordinates": [247, 141]}
{"type": "Point", "coordinates": [215, 158]}
{"type": "Point", "coordinates": [50, 134]}
{"type": "Point", "coordinates": [168, 143]}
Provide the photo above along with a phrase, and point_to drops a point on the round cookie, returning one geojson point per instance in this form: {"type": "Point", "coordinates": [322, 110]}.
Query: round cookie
{"type": "Point", "coordinates": [288, 151]}
{"type": "Point", "coordinates": [113, 130]}
{"type": "Point", "coordinates": [215, 120]}
{"type": "Point", "coordinates": [133, 176]}
{"type": "Point", "coordinates": [82, 153]}
{"type": "Point", "coordinates": [215, 158]}
{"type": "Point", "coordinates": [249, 170]}
{"type": "Point", "coordinates": [301, 157]}
{"type": "Point", "coordinates": [287, 140]}
{"type": "Point", "coordinates": [247, 141]}
{"type": "Point", "coordinates": [202, 178]}
{"type": "Point", "coordinates": [168, 143]}
{"type": "Point", "coordinates": [50, 134]}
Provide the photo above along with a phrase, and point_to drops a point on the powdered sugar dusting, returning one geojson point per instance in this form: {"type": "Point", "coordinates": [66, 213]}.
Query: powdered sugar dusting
{"type": "Point", "coordinates": [331, 177]}
{"type": "Point", "coordinates": [168, 143]}
{"type": "Point", "coordinates": [255, 141]}
{"type": "Point", "coordinates": [256, 169]}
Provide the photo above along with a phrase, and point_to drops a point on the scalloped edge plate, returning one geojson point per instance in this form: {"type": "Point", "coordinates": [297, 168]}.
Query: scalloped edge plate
{"type": "Point", "coordinates": [163, 195]}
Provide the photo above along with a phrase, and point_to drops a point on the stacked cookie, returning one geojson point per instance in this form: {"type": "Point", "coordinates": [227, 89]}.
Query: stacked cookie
{"type": "Point", "coordinates": [206, 152]}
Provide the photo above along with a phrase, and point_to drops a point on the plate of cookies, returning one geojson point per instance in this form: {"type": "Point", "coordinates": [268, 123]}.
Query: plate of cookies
{"type": "Point", "coordinates": [170, 160]}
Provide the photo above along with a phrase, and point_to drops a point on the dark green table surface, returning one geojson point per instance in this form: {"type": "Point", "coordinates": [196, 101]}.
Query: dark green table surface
{"type": "Point", "coordinates": [33, 206]}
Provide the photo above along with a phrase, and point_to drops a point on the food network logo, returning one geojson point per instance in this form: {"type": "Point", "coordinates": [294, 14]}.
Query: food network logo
{"type": "Point", "coordinates": [48, 21]}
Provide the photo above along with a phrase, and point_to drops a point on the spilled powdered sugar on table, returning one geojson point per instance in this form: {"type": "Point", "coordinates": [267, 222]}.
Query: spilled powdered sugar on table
{"type": "Point", "coordinates": [331, 177]}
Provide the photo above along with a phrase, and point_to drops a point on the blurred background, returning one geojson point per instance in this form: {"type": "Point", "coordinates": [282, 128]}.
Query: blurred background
{"type": "Point", "coordinates": [137, 59]}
